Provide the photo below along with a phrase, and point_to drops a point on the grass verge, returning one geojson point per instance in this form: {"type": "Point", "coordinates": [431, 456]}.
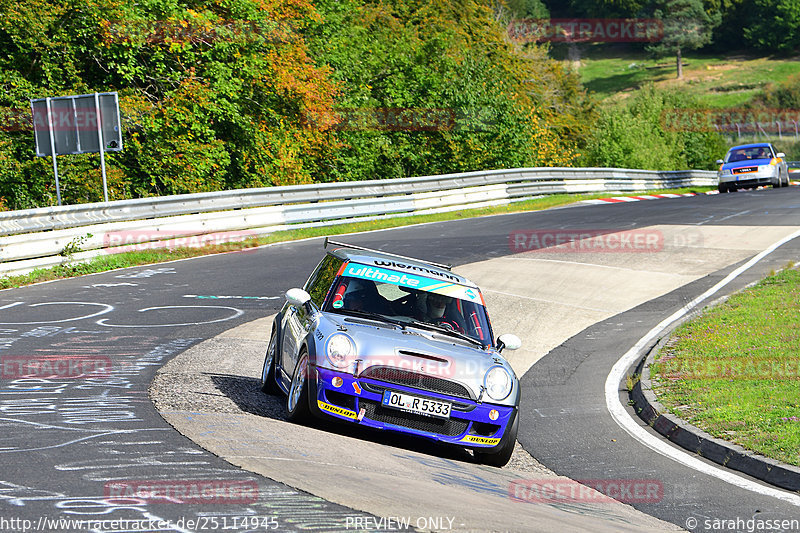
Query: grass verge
{"type": "Point", "coordinates": [714, 80]}
{"type": "Point", "coordinates": [734, 371]}
{"type": "Point", "coordinates": [146, 257]}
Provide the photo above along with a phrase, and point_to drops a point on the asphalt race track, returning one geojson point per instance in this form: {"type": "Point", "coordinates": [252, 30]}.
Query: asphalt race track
{"type": "Point", "coordinates": [86, 448]}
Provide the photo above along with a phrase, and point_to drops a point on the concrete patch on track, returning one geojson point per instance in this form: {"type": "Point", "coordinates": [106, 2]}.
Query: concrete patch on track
{"type": "Point", "coordinates": [211, 393]}
{"type": "Point", "coordinates": [546, 296]}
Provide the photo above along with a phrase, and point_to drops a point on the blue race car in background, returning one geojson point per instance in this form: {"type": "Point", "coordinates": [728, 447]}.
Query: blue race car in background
{"type": "Point", "coordinates": [396, 344]}
{"type": "Point", "coordinates": [751, 165]}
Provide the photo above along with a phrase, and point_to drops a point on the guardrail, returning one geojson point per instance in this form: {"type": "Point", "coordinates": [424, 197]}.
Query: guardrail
{"type": "Point", "coordinates": [43, 237]}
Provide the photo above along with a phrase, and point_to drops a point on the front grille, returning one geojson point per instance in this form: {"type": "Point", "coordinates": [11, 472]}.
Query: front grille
{"type": "Point", "coordinates": [442, 426]}
{"type": "Point", "coordinates": [417, 381]}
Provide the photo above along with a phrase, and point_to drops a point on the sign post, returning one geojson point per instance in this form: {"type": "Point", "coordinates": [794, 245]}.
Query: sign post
{"type": "Point", "coordinates": [85, 123]}
{"type": "Point", "coordinates": [53, 151]}
{"type": "Point", "coordinates": [100, 143]}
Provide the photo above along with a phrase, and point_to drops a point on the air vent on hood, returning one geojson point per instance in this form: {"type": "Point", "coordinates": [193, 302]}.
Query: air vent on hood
{"type": "Point", "coordinates": [423, 356]}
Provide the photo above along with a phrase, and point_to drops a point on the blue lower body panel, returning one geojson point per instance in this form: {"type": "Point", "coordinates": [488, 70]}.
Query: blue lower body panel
{"type": "Point", "coordinates": [359, 400]}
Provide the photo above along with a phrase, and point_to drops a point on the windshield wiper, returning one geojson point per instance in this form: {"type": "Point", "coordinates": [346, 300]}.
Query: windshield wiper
{"type": "Point", "coordinates": [447, 331]}
{"type": "Point", "coordinates": [372, 316]}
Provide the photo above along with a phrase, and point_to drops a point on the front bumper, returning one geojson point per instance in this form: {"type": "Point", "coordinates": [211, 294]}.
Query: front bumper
{"type": "Point", "coordinates": [358, 400]}
{"type": "Point", "coordinates": [765, 175]}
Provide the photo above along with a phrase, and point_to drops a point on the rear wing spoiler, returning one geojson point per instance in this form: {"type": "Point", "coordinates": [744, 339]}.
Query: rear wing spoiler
{"type": "Point", "coordinates": [353, 246]}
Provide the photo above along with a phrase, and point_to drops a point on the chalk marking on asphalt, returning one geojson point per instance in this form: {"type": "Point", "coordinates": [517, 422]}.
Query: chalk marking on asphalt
{"type": "Point", "coordinates": [621, 417]}
{"type": "Point", "coordinates": [236, 314]}
{"type": "Point", "coordinates": [106, 309]}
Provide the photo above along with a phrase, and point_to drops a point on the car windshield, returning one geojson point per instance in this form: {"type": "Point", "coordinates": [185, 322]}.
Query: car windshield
{"type": "Point", "coordinates": [409, 306]}
{"type": "Point", "coordinates": [746, 154]}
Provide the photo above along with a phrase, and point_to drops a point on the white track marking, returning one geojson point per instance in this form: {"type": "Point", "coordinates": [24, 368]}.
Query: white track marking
{"type": "Point", "coordinates": [621, 417]}
{"type": "Point", "coordinates": [236, 314]}
{"type": "Point", "coordinates": [106, 309]}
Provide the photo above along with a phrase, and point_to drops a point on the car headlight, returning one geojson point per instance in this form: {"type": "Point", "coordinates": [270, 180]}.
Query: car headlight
{"type": "Point", "coordinates": [498, 383]}
{"type": "Point", "coordinates": [339, 348]}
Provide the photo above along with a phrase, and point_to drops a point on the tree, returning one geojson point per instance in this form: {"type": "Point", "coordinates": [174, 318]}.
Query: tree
{"type": "Point", "coordinates": [776, 26]}
{"type": "Point", "coordinates": [686, 26]}
{"type": "Point", "coordinates": [599, 8]}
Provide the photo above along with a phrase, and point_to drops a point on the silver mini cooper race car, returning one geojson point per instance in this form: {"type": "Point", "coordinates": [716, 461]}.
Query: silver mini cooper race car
{"type": "Point", "coordinates": [397, 344]}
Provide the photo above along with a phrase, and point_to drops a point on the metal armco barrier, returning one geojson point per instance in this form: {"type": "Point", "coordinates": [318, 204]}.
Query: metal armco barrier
{"type": "Point", "coordinates": [34, 238]}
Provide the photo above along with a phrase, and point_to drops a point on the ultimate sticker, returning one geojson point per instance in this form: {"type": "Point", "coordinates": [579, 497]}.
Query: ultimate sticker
{"type": "Point", "coordinates": [413, 281]}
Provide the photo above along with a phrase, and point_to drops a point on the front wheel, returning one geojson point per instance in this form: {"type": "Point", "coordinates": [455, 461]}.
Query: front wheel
{"type": "Point", "coordinates": [297, 409]}
{"type": "Point", "coordinates": [268, 383]}
{"type": "Point", "coordinates": [503, 455]}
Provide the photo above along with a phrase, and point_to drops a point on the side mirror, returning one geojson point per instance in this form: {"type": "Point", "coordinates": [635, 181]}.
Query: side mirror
{"type": "Point", "coordinates": [508, 340]}
{"type": "Point", "coordinates": [719, 161]}
{"type": "Point", "coordinates": [780, 155]}
{"type": "Point", "coordinates": [297, 297]}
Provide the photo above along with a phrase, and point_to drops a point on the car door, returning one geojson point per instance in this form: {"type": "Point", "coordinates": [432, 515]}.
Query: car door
{"type": "Point", "coordinates": [298, 321]}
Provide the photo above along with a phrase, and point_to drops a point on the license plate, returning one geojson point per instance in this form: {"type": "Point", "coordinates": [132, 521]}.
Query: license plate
{"type": "Point", "coordinates": [744, 170]}
{"type": "Point", "coordinates": [415, 404]}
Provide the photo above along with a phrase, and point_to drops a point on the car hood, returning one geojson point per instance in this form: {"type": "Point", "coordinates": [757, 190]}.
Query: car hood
{"type": "Point", "coordinates": [416, 350]}
{"type": "Point", "coordinates": [746, 163]}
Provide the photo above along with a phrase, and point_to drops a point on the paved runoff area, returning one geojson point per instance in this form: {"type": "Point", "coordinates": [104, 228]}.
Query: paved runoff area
{"type": "Point", "coordinates": [553, 287]}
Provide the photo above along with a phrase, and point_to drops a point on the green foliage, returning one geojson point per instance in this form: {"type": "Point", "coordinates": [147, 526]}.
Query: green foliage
{"type": "Point", "coordinates": [686, 26]}
{"type": "Point", "coordinates": [638, 134]}
{"type": "Point", "coordinates": [501, 106]}
{"type": "Point", "coordinates": [784, 95]}
{"type": "Point", "coordinates": [527, 9]}
{"type": "Point", "coordinates": [212, 94]}
{"type": "Point", "coordinates": [247, 93]}
{"type": "Point", "coordinates": [596, 8]}
{"type": "Point", "coordinates": [776, 27]}
{"type": "Point", "coordinates": [74, 246]}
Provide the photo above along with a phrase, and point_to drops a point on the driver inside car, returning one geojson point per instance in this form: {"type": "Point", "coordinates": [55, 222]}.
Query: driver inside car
{"type": "Point", "coordinates": [362, 295]}
{"type": "Point", "coordinates": [441, 310]}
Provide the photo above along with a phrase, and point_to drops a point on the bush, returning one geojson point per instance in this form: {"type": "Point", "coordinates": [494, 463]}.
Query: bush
{"type": "Point", "coordinates": [637, 134]}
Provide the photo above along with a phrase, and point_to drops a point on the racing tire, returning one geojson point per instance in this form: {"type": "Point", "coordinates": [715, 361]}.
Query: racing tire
{"type": "Point", "coordinates": [723, 188]}
{"type": "Point", "coordinates": [297, 408]}
{"type": "Point", "coordinates": [268, 383]}
{"type": "Point", "coordinates": [505, 449]}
